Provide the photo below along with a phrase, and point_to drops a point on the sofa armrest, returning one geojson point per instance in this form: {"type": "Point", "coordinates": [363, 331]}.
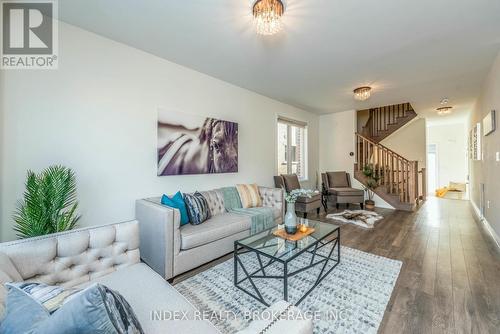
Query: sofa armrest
{"type": "Point", "coordinates": [281, 317]}
{"type": "Point", "coordinates": [273, 198]}
{"type": "Point", "coordinates": [159, 234]}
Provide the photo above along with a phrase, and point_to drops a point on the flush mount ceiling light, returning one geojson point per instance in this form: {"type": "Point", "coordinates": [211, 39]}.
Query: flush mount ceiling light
{"type": "Point", "coordinates": [444, 110]}
{"type": "Point", "coordinates": [362, 93]}
{"type": "Point", "coordinates": [267, 16]}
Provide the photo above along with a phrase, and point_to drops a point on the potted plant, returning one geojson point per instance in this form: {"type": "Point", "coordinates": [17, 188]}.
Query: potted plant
{"type": "Point", "coordinates": [290, 217]}
{"type": "Point", "coordinates": [49, 204]}
{"type": "Point", "coordinates": [372, 182]}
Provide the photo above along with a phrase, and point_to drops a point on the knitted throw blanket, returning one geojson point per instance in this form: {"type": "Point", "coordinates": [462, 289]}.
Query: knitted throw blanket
{"type": "Point", "coordinates": [262, 217]}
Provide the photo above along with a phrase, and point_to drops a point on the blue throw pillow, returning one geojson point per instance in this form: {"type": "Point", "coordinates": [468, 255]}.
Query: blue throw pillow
{"type": "Point", "coordinates": [22, 314]}
{"type": "Point", "coordinates": [177, 201]}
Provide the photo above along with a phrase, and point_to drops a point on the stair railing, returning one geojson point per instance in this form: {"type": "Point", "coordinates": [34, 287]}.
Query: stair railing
{"type": "Point", "coordinates": [398, 175]}
{"type": "Point", "coordinates": [380, 118]}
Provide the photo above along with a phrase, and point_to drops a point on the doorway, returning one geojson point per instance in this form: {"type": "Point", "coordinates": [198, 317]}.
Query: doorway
{"type": "Point", "coordinates": [432, 169]}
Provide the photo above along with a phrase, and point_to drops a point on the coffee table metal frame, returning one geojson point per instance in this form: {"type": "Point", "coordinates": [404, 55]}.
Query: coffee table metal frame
{"type": "Point", "coordinates": [313, 248]}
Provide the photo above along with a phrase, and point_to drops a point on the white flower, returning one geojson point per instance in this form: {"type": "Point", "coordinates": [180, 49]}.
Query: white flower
{"type": "Point", "coordinates": [292, 196]}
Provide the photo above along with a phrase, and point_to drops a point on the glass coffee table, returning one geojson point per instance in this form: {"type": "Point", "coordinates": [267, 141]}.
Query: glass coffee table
{"type": "Point", "coordinates": [264, 256]}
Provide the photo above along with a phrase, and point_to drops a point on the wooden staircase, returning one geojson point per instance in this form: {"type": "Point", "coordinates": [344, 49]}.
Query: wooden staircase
{"type": "Point", "coordinates": [401, 183]}
{"type": "Point", "coordinates": [383, 121]}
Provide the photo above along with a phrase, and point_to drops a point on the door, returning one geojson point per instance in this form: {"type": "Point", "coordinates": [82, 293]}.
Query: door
{"type": "Point", "coordinates": [432, 169]}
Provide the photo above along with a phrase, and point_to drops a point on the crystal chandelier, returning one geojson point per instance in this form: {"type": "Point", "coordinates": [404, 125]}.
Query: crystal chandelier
{"type": "Point", "coordinates": [362, 93]}
{"type": "Point", "coordinates": [444, 110]}
{"type": "Point", "coordinates": [267, 16]}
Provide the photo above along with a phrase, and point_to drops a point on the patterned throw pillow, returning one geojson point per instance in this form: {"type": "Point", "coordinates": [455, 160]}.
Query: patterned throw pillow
{"type": "Point", "coordinates": [197, 208]}
{"type": "Point", "coordinates": [249, 195]}
{"type": "Point", "coordinates": [51, 297]}
{"type": "Point", "coordinates": [215, 201]}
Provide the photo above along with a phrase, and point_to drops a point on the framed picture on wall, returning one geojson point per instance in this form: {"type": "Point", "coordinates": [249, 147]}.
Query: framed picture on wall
{"type": "Point", "coordinates": [489, 123]}
{"type": "Point", "coordinates": [192, 144]}
{"type": "Point", "coordinates": [475, 142]}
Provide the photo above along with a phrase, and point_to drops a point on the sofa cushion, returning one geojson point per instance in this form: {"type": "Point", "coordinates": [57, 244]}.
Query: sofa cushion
{"type": "Point", "coordinates": [151, 297]}
{"type": "Point", "coordinates": [215, 200]}
{"type": "Point", "coordinates": [177, 202]}
{"type": "Point", "coordinates": [215, 228]}
{"type": "Point", "coordinates": [97, 309]}
{"type": "Point", "coordinates": [337, 179]}
{"type": "Point", "coordinates": [249, 195]}
{"type": "Point", "coordinates": [197, 208]}
{"type": "Point", "coordinates": [23, 313]}
{"type": "Point", "coordinates": [291, 182]}
{"type": "Point", "coordinates": [346, 192]}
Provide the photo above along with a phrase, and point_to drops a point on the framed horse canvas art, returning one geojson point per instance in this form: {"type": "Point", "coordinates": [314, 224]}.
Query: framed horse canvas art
{"type": "Point", "coordinates": [191, 144]}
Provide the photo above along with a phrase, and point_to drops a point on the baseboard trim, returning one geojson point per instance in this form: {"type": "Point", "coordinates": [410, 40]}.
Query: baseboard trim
{"type": "Point", "coordinates": [486, 224]}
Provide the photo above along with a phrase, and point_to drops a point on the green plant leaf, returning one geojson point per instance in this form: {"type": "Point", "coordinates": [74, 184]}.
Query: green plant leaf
{"type": "Point", "coordinates": [49, 204]}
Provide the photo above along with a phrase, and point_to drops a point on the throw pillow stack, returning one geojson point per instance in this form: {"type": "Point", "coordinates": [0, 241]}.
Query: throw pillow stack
{"type": "Point", "coordinates": [194, 208]}
{"type": "Point", "coordinates": [40, 308]}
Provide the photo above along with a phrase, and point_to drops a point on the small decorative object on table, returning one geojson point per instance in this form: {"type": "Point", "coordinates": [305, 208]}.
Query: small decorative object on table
{"type": "Point", "coordinates": [301, 231]}
{"type": "Point", "coordinates": [290, 217]}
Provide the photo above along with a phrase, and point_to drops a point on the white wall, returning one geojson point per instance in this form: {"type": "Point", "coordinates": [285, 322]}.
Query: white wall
{"type": "Point", "coordinates": [487, 171]}
{"type": "Point", "coordinates": [451, 144]}
{"type": "Point", "coordinates": [410, 141]}
{"type": "Point", "coordinates": [336, 135]}
{"type": "Point", "coordinates": [97, 114]}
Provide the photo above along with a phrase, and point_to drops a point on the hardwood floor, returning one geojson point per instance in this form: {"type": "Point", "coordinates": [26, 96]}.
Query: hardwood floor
{"type": "Point", "coordinates": [450, 279]}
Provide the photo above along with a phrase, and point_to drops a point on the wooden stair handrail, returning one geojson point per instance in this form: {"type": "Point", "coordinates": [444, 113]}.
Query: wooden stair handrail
{"type": "Point", "coordinates": [398, 175]}
{"type": "Point", "coordinates": [381, 119]}
{"type": "Point", "coordinates": [385, 148]}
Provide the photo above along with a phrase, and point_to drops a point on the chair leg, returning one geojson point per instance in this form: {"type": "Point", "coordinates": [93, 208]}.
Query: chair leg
{"type": "Point", "coordinates": [347, 205]}
{"type": "Point", "coordinates": [318, 210]}
{"type": "Point", "coordinates": [362, 206]}
{"type": "Point", "coordinates": [305, 215]}
{"type": "Point", "coordinates": [337, 205]}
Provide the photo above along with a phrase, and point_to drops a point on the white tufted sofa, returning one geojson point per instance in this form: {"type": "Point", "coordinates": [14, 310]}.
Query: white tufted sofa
{"type": "Point", "coordinates": [171, 249]}
{"type": "Point", "coordinates": [105, 254]}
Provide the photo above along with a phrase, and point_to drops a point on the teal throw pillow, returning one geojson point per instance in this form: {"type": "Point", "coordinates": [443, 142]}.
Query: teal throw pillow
{"type": "Point", "coordinates": [177, 201]}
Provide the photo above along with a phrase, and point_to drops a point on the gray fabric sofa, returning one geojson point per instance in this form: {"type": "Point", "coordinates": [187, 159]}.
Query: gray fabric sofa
{"type": "Point", "coordinates": [171, 249]}
{"type": "Point", "coordinates": [110, 255]}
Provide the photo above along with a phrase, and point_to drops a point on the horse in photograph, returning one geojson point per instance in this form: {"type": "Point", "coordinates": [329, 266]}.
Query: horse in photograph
{"type": "Point", "coordinates": [213, 149]}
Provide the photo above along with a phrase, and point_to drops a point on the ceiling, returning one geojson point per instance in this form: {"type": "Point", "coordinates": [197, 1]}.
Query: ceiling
{"type": "Point", "coordinates": [416, 51]}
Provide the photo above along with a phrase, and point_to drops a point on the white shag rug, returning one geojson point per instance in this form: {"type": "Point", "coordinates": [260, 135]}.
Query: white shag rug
{"type": "Point", "coordinates": [361, 218]}
{"type": "Point", "coordinates": [351, 299]}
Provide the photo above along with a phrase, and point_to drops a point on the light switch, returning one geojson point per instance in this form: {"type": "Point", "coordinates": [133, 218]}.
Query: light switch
{"type": "Point", "coordinates": [498, 156]}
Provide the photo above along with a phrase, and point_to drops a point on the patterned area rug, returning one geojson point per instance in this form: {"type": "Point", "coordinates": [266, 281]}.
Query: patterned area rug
{"type": "Point", "coordinates": [351, 299]}
{"type": "Point", "coordinates": [363, 218]}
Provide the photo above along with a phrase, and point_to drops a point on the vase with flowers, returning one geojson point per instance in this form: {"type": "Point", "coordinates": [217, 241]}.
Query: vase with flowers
{"type": "Point", "coordinates": [290, 217]}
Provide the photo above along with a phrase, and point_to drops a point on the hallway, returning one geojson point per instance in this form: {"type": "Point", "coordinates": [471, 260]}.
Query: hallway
{"type": "Point", "coordinates": [449, 282]}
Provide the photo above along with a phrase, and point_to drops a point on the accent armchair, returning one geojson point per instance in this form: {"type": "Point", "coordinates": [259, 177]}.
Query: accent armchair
{"type": "Point", "coordinates": [303, 204]}
{"type": "Point", "coordinates": [337, 189]}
